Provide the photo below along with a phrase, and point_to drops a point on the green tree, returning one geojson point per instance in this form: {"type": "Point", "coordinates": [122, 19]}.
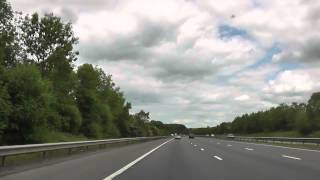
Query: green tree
{"type": "Point", "coordinates": [313, 110]}
{"type": "Point", "coordinates": [31, 105]}
{"type": "Point", "coordinates": [8, 47]}
{"type": "Point", "coordinates": [5, 110]}
{"type": "Point", "coordinates": [44, 37]}
{"type": "Point", "coordinates": [302, 123]}
{"type": "Point", "coordinates": [142, 116]}
{"type": "Point", "coordinates": [123, 120]}
{"type": "Point", "coordinates": [41, 94]}
{"type": "Point", "coordinates": [64, 81]}
{"type": "Point", "coordinates": [88, 101]}
{"type": "Point", "coordinates": [95, 110]}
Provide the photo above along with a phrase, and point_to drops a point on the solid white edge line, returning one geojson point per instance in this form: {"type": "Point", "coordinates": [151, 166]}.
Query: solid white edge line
{"type": "Point", "coordinates": [300, 149]}
{"type": "Point", "coordinates": [291, 157]}
{"type": "Point", "coordinates": [120, 171]}
{"type": "Point", "coordinates": [217, 157]}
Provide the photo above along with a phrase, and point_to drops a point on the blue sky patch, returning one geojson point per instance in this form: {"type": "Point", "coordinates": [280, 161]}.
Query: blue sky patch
{"type": "Point", "coordinates": [226, 32]}
{"type": "Point", "coordinates": [256, 3]}
{"type": "Point", "coordinates": [267, 58]}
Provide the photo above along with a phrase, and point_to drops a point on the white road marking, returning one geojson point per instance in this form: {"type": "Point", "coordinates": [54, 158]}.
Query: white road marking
{"type": "Point", "coordinates": [195, 145]}
{"type": "Point", "coordinates": [217, 157]}
{"type": "Point", "coordinates": [120, 171]}
{"type": "Point", "coordinates": [291, 157]}
{"type": "Point", "coordinates": [299, 149]}
{"type": "Point", "coordinates": [202, 149]}
{"type": "Point", "coordinates": [218, 143]}
{"type": "Point", "coordinates": [249, 149]}
{"type": "Point", "coordinates": [229, 145]}
{"type": "Point", "coordinates": [191, 143]}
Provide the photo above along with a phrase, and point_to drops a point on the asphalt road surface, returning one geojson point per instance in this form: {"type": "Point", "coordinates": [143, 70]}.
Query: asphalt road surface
{"type": "Point", "coordinates": [199, 159]}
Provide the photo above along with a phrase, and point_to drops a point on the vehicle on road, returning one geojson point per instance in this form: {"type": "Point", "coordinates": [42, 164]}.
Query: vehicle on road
{"type": "Point", "coordinates": [191, 136]}
{"type": "Point", "coordinates": [177, 137]}
{"type": "Point", "coordinates": [230, 136]}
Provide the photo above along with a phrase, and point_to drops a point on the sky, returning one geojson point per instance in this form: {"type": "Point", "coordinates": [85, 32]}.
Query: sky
{"type": "Point", "coordinates": [198, 62]}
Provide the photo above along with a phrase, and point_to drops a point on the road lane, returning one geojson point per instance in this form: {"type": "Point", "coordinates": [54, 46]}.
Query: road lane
{"type": "Point", "coordinates": [264, 162]}
{"type": "Point", "coordinates": [94, 166]}
{"type": "Point", "coordinates": [177, 160]}
{"type": "Point", "coordinates": [123, 169]}
{"type": "Point", "coordinates": [182, 160]}
{"type": "Point", "coordinates": [199, 158]}
{"type": "Point", "coordinates": [311, 157]}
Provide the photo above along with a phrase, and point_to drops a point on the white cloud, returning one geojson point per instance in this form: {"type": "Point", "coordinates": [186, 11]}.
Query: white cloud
{"type": "Point", "coordinates": [242, 98]}
{"type": "Point", "coordinates": [168, 58]}
{"type": "Point", "coordinates": [292, 82]}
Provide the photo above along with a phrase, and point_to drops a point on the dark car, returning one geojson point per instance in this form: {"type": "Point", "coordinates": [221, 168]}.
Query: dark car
{"type": "Point", "coordinates": [191, 136]}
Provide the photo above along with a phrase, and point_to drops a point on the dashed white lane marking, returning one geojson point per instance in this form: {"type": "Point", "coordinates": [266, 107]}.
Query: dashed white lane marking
{"type": "Point", "coordinates": [218, 143]}
{"type": "Point", "coordinates": [275, 146]}
{"type": "Point", "coordinates": [195, 145]}
{"type": "Point", "coordinates": [249, 149]}
{"type": "Point", "coordinates": [291, 157]}
{"type": "Point", "coordinates": [229, 145]}
{"type": "Point", "coordinates": [120, 171]}
{"type": "Point", "coordinates": [217, 157]}
{"type": "Point", "coordinates": [202, 149]}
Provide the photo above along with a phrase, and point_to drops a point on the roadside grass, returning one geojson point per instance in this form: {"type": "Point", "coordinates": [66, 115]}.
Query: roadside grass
{"type": "Point", "coordinates": [315, 134]}
{"type": "Point", "coordinates": [50, 137]}
{"type": "Point", "coordinates": [54, 137]}
{"type": "Point", "coordinates": [297, 134]}
{"type": "Point", "coordinates": [293, 134]}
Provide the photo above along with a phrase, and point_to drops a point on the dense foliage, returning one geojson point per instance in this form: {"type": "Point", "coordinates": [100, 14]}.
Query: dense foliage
{"type": "Point", "coordinates": [303, 118]}
{"type": "Point", "coordinates": [44, 98]}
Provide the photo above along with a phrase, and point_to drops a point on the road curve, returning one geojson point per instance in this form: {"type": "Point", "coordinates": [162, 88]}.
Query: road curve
{"type": "Point", "coordinates": [199, 158]}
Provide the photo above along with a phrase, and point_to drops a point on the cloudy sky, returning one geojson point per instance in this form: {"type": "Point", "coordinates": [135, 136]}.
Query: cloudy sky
{"type": "Point", "coordinates": [198, 62]}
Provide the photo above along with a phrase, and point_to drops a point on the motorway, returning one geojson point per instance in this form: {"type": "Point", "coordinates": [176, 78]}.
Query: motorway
{"type": "Point", "coordinates": [199, 158]}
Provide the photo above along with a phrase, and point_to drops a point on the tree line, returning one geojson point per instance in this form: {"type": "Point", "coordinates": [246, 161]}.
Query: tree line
{"type": "Point", "coordinates": [301, 117]}
{"type": "Point", "coordinates": [44, 97]}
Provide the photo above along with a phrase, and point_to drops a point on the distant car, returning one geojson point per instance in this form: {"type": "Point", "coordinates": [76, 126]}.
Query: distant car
{"type": "Point", "coordinates": [191, 136]}
{"type": "Point", "coordinates": [177, 137]}
{"type": "Point", "coordinates": [230, 136]}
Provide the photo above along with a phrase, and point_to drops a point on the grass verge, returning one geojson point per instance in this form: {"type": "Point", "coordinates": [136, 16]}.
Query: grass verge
{"type": "Point", "coordinates": [289, 144]}
{"type": "Point", "coordinates": [315, 134]}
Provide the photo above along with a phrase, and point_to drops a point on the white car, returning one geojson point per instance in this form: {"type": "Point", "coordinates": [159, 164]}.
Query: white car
{"type": "Point", "coordinates": [177, 137]}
